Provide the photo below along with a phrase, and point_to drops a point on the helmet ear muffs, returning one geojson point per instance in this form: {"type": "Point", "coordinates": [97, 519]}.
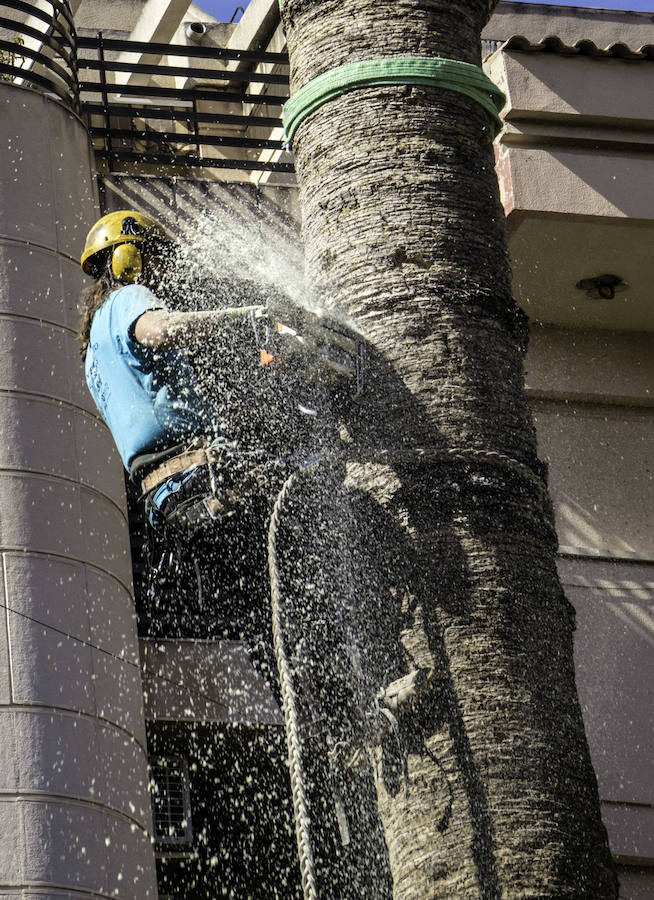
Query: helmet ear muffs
{"type": "Point", "coordinates": [126, 263]}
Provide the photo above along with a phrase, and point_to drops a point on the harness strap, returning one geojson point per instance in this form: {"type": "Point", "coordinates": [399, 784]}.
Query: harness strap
{"type": "Point", "coordinates": [177, 464]}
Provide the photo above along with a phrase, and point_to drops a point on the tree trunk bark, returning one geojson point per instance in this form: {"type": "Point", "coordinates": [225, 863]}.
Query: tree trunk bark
{"type": "Point", "coordinates": [404, 231]}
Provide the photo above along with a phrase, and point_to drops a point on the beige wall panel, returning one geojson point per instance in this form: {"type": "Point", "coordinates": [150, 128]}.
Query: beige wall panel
{"type": "Point", "coordinates": [11, 829]}
{"type": "Point", "coordinates": [119, 14]}
{"type": "Point", "coordinates": [614, 662]}
{"type": "Point", "coordinates": [112, 616]}
{"type": "Point", "coordinates": [72, 521]}
{"type": "Point", "coordinates": [49, 590]}
{"type": "Point", "coordinates": [46, 200]}
{"type": "Point", "coordinates": [636, 882]}
{"type": "Point", "coordinates": [589, 572]}
{"type": "Point", "coordinates": [600, 474]}
{"type": "Point", "coordinates": [30, 282]}
{"type": "Point", "coordinates": [591, 364]}
{"type": "Point", "coordinates": [536, 21]}
{"type": "Point", "coordinates": [119, 694]}
{"type": "Point", "coordinates": [55, 438]}
{"type": "Point", "coordinates": [42, 359]}
{"type": "Point", "coordinates": [34, 358]}
{"type": "Point", "coordinates": [73, 283]}
{"type": "Point", "coordinates": [5, 676]}
{"type": "Point", "coordinates": [100, 465]}
{"type": "Point", "coordinates": [601, 88]}
{"type": "Point", "coordinates": [590, 184]}
{"type": "Point", "coordinates": [212, 681]}
{"type": "Point", "coordinates": [614, 655]}
{"type": "Point", "coordinates": [48, 669]}
{"type": "Point", "coordinates": [75, 192]}
{"type": "Point", "coordinates": [46, 895]}
{"type": "Point", "coordinates": [107, 538]}
{"type": "Point", "coordinates": [65, 754]}
{"type": "Point", "coordinates": [26, 197]}
{"type": "Point", "coordinates": [77, 846]}
{"type": "Point", "coordinates": [631, 831]}
{"type": "Point", "coordinates": [121, 776]}
{"type": "Point", "coordinates": [551, 253]}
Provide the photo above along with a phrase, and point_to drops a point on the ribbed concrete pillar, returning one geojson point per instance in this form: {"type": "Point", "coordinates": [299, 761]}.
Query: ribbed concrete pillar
{"type": "Point", "coordinates": [74, 806]}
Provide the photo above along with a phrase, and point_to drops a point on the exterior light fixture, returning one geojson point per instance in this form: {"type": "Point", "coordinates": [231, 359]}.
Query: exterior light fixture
{"type": "Point", "coordinates": [602, 287]}
{"type": "Point", "coordinates": [195, 31]}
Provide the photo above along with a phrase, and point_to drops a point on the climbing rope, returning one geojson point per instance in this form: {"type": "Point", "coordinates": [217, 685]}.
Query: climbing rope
{"type": "Point", "coordinates": [452, 74]}
{"type": "Point", "coordinates": [298, 790]}
{"type": "Point", "coordinates": [288, 695]}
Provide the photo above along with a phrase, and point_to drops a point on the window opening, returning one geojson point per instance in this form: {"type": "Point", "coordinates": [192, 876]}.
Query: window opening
{"type": "Point", "coordinates": [171, 800]}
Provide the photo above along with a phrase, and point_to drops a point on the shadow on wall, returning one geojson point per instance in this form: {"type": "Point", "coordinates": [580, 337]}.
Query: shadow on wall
{"type": "Point", "coordinates": [181, 203]}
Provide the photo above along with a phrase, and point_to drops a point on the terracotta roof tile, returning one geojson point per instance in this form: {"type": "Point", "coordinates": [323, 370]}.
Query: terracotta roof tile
{"type": "Point", "coordinates": [584, 47]}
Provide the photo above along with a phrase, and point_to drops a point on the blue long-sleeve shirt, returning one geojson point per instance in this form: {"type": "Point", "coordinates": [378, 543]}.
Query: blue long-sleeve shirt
{"type": "Point", "coordinates": [149, 398]}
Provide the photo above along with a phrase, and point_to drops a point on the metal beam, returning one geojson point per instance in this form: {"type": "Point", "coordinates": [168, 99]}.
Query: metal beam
{"type": "Point", "coordinates": [158, 22]}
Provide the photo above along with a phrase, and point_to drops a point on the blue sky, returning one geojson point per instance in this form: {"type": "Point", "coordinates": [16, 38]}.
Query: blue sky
{"type": "Point", "coordinates": [635, 5]}
{"type": "Point", "coordinates": [224, 9]}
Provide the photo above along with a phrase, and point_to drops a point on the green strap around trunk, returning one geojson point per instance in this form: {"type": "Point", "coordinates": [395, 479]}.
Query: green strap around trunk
{"type": "Point", "coordinates": [452, 74]}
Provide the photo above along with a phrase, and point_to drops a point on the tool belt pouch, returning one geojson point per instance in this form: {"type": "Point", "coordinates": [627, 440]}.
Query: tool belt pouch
{"type": "Point", "coordinates": [190, 502]}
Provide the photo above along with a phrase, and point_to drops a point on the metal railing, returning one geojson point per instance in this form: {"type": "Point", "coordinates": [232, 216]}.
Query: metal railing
{"type": "Point", "coordinates": [38, 48]}
{"type": "Point", "coordinates": [150, 106]}
{"type": "Point", "coordinates": [168, 105]}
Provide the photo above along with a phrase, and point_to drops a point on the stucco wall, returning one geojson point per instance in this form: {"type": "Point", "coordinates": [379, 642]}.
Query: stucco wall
{"type": "Point", "coordinates": [74, 801]}
{"type": "Point", "coordinates": [591, 393]}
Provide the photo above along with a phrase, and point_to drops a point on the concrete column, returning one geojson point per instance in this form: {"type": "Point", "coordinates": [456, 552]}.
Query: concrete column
{"type": "Point", "coordinates": [74, 803]}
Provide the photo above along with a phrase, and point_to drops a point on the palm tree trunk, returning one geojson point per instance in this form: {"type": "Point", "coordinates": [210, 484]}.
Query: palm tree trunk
{"type": "Point", "coordinates": [404, 231]}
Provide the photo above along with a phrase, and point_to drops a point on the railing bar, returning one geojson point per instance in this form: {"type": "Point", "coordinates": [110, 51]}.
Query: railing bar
{"type": "Point", "coordinates": [34, 11]}
{"type": "Point", "coordinates": [173, 137]}
{"type": "Point", "coordinates": [105, 101]}
{"type": "Point", "coordinates": [153, 49]}
{"type": "Point", "coordinates": [48, 65]}
{"type": "Point", "coordinates": [205, 162]}
{"type": "Point", "coordinates": [63, 10]}
{"type": "Point", "coordinates": [41, 36]}
{"type": "Point", "coordinates": [34, 78]}
{"type": "Point", "coordinates": [213, 74]}
{"type": "Point", "coordinates": [135, 90]}
{"type": "Point", "coordinates": [183, 115]}
{"type": "Point", "coordinates": [196, 130]}
{"type": "Point", "coordinates": [45, 61]}
{"type": "Point", "coordinates": [30, 10]}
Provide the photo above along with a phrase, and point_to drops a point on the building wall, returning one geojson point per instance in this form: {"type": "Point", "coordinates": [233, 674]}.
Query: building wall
{"type": "Point", "coordinates": [74, 803]}
{"type": "Point", "coordinates": [589, 387]}
{"type": "Point", "coordinates": [591, 396]}
{"type": "Point", "coordinates": [538, 20]}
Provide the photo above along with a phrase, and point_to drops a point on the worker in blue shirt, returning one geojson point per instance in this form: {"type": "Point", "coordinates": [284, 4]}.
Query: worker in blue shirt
{"type": "Point", "coordinates": [191, 472]}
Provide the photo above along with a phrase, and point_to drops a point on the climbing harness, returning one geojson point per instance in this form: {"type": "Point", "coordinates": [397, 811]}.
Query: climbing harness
{"type": "Point", "coordinates": [213, 484]}
{"type": "Point", "coordinates": [452, 74]}
{"type": "Point", "coordinates": [390, 699]}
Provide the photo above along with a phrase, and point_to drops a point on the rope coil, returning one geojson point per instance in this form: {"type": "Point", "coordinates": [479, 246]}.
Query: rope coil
{"type": "Point", "coordinates": [288, 694]}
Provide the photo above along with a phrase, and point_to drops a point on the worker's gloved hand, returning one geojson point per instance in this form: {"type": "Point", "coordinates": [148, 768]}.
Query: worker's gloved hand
{"type": "Point", "coordinates": [318, 344]}
{"type": "Point", "coordinates": [244, 312]}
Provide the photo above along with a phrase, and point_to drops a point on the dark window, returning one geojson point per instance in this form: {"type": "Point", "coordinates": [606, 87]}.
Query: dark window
{"type": "Point", "coordinates": [171, 803]}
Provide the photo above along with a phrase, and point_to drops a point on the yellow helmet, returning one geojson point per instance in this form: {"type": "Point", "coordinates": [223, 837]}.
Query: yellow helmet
{"type": "Point", "coordinates": [121, 232]}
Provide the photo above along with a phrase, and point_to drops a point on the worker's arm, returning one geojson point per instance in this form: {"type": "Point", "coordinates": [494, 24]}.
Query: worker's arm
{"type": "Point", "coordinates": [163, 330]}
